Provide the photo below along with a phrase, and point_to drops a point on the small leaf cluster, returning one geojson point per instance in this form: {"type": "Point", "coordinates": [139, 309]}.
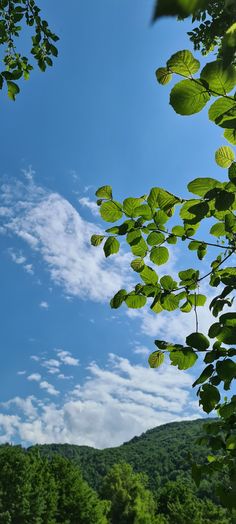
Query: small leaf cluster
{"type": "Point", "coordinates": [189, 96]}
{"type": "Point", "coordinates": [13, 14]}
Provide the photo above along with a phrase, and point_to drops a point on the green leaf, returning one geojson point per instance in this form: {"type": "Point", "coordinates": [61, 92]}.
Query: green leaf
{"type": "Point", "coordinates": [171, 239]}
{"type": "Point", "coordinates": [170, 302]}
{"type": "Point", "coordinates": [221, 112]}
{"type": "Point", "coordinates": [197, 299]}
{"type": "Point", "coordinates": [163, 199]}
{"type": "Point", "coordinates": [140, 248]}
{"type": "Point", "coordinates": [135, 301]}
{"type": "Point", "coordinates": [184, 359]}
{"type": "Point", "coordinates": [188, 97]}
{"type": "Point", "coordinates": [228, 319]}
{"type": "Point", "coordinates": [231, 442]}
{"type": "Point", "coordinates": [130, 204]}
{"type": "Point", "coordinates": [156, 306]}
{"type": "Point", "coordinates": [183, 63]}
{"type": "Point", "coordinates": [143, 211]}
{"type": "Point", "coordinates": [220, 79]}
{"type": "Point", "coordinates": [224, 156]}
{"type": "Point", "coordinates": [111, 246]}
{"type": "Point", "coordinates": [148, 275]}
{"type": "Point", "coordinates": [118, 299]}
{"type": "Point", "coordinates": [227, 335]}
{"type": "Point", "coordinates": [110, 211]}
{"type": "Point", "coordinates": [137, 265]}
{"type": "Point", "coordinates": [178, 230]}
{"type": "Point", "coordinates": [226, 369]}
{"type": "Point", "coordinates": [227, 410]}
{"type": "Point", "coordinates": [134, 237]}
{"type": "Point", "coordinates": [198, 341]}
{"type": "Point", "coordinates": [193, 245]}
{"type": "Point", "coordinates": [104, 192]}
{"type": "Point", "coordinates": [155, 238]}
{"type": "Point", "coordinates": [159, 255]}
{"type": "Point", "coordinates": [160, 218]}
{"type": "Point", "coordinates": [218, 230]}
{"type": "Point", "coordinates": [230, 135]}
{"type": "Point", "coordinates": [182, 8]}
{"type": "Point", "coordinates": [200, 186]}
{"type": "Point", "coordinates": [207, 372]}
{"type": "Point", "coordinates": [209, 397]}
{"type": "Point", "coordinates": [232, 173]}
{"type": "Point", "coordinates": [96, 240]}
{"type": "Point", "coordinates": [168, 283]}
{"type": "Point", "coordinates": [163, 76]}
{"type": "Point", "coordinates": [224, 200]}
{"type": "Point", "coordinates": [156, 359]}
{"type": "Point", "coordinates": [168, 346]}
{"type": "Point", "coordinates": [202, 251]}
{"type": "Point", "coordinates": [188, 275]}
{"type": "Point", "coordinates": [12, 89]}
{"type": "Point", "coordinates": [186, 307]}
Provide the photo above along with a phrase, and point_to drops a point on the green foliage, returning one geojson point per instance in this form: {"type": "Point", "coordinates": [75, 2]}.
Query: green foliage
{"type": "Point", "coordinates": [130, 500]}
{"type": "Point", "coordinates": [147, 234]}
{"type": "Point", "coordinates": [163, 455]}
{"type": "Point", "coordinates": [17, 66]}
{"type": "Point", "coordinates": [34, 490]}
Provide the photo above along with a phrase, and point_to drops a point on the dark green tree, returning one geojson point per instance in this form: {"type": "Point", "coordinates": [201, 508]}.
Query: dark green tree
{"type": "Point", "coordinates": [15, 484]}
{"type": "Point", "coordinates": [131, 501]}
{"type": "Point", "coordinates": [77, 502]}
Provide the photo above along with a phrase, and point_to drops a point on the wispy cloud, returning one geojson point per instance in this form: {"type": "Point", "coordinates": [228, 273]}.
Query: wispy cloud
{"type": "Point", "coordinates": [89, 204]}
{"type": "Point", "coordinates": [114, 403]}
{"type": "Point", "coordinates": [54, 229]}
{"type": "Point", "coordinates": [51, 390]}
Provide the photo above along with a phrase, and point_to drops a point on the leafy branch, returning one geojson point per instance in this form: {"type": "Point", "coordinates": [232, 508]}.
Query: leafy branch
{"type": "Point", "coordinates": [145, 231]}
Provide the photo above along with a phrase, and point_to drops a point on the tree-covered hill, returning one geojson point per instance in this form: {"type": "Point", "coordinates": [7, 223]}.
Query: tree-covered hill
{"type": "Point", "coordinates": [144, 481]}
{"type": "Point", "coordinates": [162, 453]}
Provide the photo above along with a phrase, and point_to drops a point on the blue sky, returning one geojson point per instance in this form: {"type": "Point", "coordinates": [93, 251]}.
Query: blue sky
{"type": "Point", "coordinates": [72, 369]}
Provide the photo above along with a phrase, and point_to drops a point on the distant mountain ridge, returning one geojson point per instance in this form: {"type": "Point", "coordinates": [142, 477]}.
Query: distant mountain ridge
{"type": "Point", "coordinates": [162, 453]}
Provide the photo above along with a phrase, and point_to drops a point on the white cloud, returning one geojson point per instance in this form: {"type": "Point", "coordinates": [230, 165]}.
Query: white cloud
{"type": "Point", "coordinates": [35, 358]}
{"type": "Point", "coordinates": [53, 228]}
{"type": "Point", "coordinates": [44, 304]}
{"type": "Point", "coordinates": [113, 404]}
{"type": "Point", "coordinates": [141, 350]}
{"type": "Point", "coordinates": [48, 387]}
{"type": "Point", "coordinates": [36, 377]}
{"type": "Point", "coordinates": [92, 206]}
{"type": "Point", "coordinates": [21, 372]}
{"type": "Point", "coordinates": [25, 405]}
{"type": "Point", "coordinates": [66, 358]}
{"type": "Point", "coordinates": [65, 377]}
{"type": "Point", "coordinates": [17, 258]}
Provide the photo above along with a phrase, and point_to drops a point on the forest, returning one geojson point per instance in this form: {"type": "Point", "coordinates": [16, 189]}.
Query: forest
{"type": "Point", "coordinates": [144, 481]}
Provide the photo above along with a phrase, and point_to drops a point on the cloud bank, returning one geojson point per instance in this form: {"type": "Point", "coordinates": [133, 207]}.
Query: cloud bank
{"type": "Point", "coordinates": [113, 404]}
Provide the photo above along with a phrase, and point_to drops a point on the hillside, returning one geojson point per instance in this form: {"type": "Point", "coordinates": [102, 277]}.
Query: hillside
{"type": "Point", "coordinates": [162, 453]}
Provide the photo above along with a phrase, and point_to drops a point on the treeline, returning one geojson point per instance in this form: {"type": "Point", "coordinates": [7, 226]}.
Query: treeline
{"type": "Point", "coordinates": [162, 453]}
{"type": "Point", "coordinates": [38, 490]}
